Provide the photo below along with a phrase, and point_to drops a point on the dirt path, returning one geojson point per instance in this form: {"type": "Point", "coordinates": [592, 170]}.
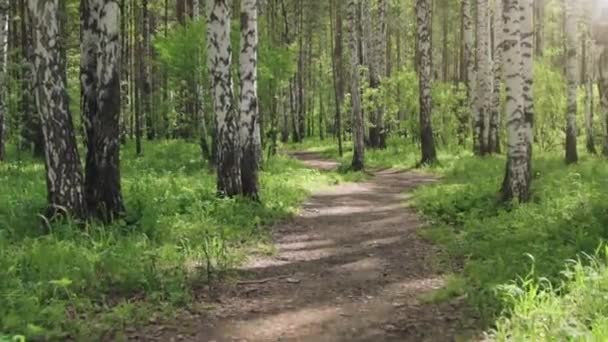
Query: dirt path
{"type": "Point", "coordinates": [349, 267]}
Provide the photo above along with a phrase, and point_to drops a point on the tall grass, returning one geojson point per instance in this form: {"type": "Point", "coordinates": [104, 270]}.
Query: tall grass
{"type": "Point", "coordinates": [79, 282]}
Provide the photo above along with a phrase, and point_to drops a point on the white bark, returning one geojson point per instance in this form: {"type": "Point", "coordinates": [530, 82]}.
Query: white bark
{"type": "Point", "coordinates": [517, 180]}
{"type": "Point", "coordinates": [226, 115]}
{"type": "Point", "coordinates": [358, 126]}
{"type": "Point", "coordinates": [495, 118]}
{"type": "Point", "coordinates": [572, 74]}
{"type": "Point", "coordinates": [602, 54]}
{"type": "Point", "coordinates": [250, 137]}
{"type": "Point", "coordinates": [4, 9]}
{"type": "Point", "coordinates": [469, 56]}
{"type": "Point", "coordinates": [484, 78]}
{"type": "Point", "coordinates": [424, 21]}
{"type": "Point", "coordinates": [527, 52]}
{"type": "Point", "coordinates": [62, 161]}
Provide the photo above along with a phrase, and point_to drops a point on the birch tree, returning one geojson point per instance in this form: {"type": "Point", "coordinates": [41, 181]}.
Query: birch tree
{"type": "Point", "coordinates": [219, 51]}
{"type": "Point", "coordinates": [249, 121]}
{"type": "Point", "coordinates": [588, 75]}
{"type": "Point", "coordinates": [495, 111]}
{"type": "Point", "coordinates": [377, 73]}
{"type": "Point", "coordinates": [603, 87]}
{"type": "Point", "coordinates": [516, 185]}
{"type": "Point", "coordinates": [4, 9]}
{"type": "Point", "coordinates": [358, 162]}
{"type": "Point", "coordinates": [527, 54]}
{"type": "Point", "coordinates": [63, 169]}
{"type": "Point", "coordinates": [484, 79]}
{"type": "Point", "coordinates": [570, 28]}
{"type": "Point", "coordinates": [469, 55]}
{"type": "Point", "coordinates": [427, 140]}
{"type": "Point", "coordinates": [100, 91]}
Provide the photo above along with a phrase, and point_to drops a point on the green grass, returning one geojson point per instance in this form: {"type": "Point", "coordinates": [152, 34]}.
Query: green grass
{"type": "Point", "coordinates": [496, 245]}
{"type": "Point", "coordinates": [83, 282]}
{"type": "Point", "coordinates": [532, 271]}
{"type": "Point", "coordinates": [399, 154]}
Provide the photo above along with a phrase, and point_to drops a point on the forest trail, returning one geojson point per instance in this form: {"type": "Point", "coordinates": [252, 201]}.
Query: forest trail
{"type": "Point", "coordinates": [349, 267]}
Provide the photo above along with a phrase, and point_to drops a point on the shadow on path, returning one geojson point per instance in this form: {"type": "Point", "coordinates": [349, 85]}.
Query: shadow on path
{"type": "Point", "coordinates": [349, 267]}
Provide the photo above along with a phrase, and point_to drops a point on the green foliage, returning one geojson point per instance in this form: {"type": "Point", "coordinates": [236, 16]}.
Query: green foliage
{"type": "Point", "coordinates": [79, 281]}
{"type": "Point", "coordinates": [577, 310]}
{"type": "Point", "coordinates": [493, 241]}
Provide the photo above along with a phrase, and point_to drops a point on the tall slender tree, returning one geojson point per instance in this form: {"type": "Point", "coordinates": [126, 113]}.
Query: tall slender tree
{"type": "Point", "coordinates": [100, 91]}
{"type": "Point", "coordinates": [484, 79]}
{"type": "Point", "coordinates": [378, 73]}
{"type": "Point", "coordinates": [603, 88]}
{"type": "Point", "coordinates": [527, 55]}
{"type": "Point", "coordinates": [424, 19]}
{"type": "Point", "coordinates": [516, 185]}
{"type": "Point", "coordinates": [4, 9]}
{"type": "Point", "coordinates": [250, 137]}
{"type": "Point", "coordinates": [358, 162]}
{"type": "Point", "coordinates": [338, 69]}
{"type": "Point", "coordinates": [496, 109]}
{"type": "Point", "coordinates": [571, 25]}
{"type": "Point", "coordinates": [219, 51]}
{"type": "Point", "coordinates": [469, 58]}
{"type": "Point", "coordinates": [63, 169]}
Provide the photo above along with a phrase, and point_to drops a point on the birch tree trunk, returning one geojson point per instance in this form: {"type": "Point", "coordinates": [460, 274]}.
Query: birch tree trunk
{"type": "Point", "coordinates": [250, 138]}
{"type": "Point", "coordinates": [100, 87]}
{"type": "Point", "coordinates": [4, 8]}
{"type": "Point", "coordinates": [484, 79]}
{"type": "Point", "coordinates": [588, 76]}
{"type": "Point", "coordinates": [63, 169]}
{"type": "Point", "coordinates": [539, 21]}
{"type": "Point", "coordinates": [469, 58]}
{"type": "Point", "coordinates": [424, 20]}
{"type": "Point", "coordinates": [31, 130]}
{"type": "Point", "coordinates": [377, 73]}
{"type": "Point", "coordinates": [571, 23]}
{"type": "Point", "coordinates": [146, 67]}
{"type": "Point", "coordinates": [527, 55]}
{"type": "Point", "coordinates": [358, 162]}
{"type": "Point", "coordinates": [226, 114]}
{"type": "Point", "coordinates": [495, 112]}
{"type": "Point", "coordinates": [338, 70]}
{"type": "Point", "coordinates": [516, 185]}
{"type": "Point", "coordinates": [603, 87]}
{"type": "Point", "coordinates": [199, 105]}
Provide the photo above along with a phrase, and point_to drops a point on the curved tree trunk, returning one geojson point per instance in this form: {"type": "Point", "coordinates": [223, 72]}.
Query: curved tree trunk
{"type": "Point", "coordinates": [358, 162]}
{"type": "Point", "coordinates": [63, 169]}
{"type": "Point", "coordinates": [516, 184]}
{"type": "Point", "coordinates": [251, 144]}
{"type": "Point", "coordinates": [100, 87]}
{"type": "Point", "coordinates": [424, 20]}
{"type": "Point", "coordinates": [571, 77]}
{"type": "Point", "coordinates": [226, 115]}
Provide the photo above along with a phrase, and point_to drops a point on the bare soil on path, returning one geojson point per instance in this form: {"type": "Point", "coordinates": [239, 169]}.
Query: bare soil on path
{"type": "Point", "coordinates": [349, 267]}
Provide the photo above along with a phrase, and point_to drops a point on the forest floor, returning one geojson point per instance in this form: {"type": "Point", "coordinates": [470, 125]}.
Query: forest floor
{"type": "Point", "coordinates": [350, 266]}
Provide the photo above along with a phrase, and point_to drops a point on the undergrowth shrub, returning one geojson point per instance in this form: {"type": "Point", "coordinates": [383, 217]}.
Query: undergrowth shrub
{"type": "Point", "coordinates": [76, 282]}
{"type": "Point", "coordinates": [492, 241]}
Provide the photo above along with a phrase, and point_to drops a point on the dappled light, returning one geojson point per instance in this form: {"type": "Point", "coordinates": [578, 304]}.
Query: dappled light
{"type": "Point", "coordinates": [303, 170]}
